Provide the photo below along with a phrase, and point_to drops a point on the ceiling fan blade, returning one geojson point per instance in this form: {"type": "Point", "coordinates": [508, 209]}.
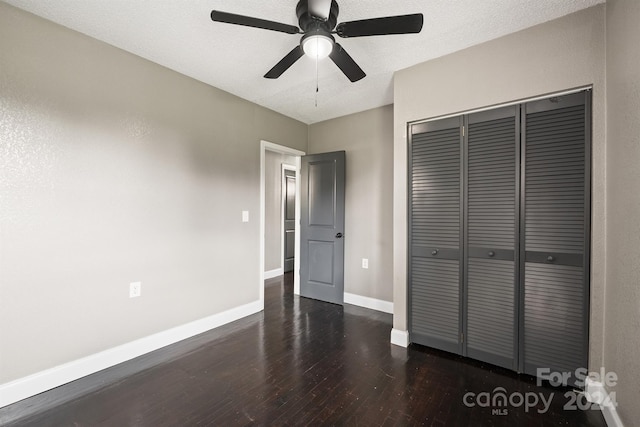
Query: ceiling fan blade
{"type": "Point", "coordinates": [232, 18]}
{"type": "Point", "coordinates": [348, 66]}
{"type": "Point", "coordinates": [403, 24]}
{"type": "Point", "coordinates": [285, 63]}
{"type": "Point", "coordinates": [320, 8]}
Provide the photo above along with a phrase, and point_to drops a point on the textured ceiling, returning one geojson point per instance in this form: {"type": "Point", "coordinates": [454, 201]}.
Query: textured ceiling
{"type": "Point", "coordinates": [180, 35]}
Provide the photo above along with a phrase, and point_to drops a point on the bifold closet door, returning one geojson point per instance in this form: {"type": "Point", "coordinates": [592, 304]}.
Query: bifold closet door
{"type": "Point", "coordinates": [491, 230]}
{"type": "Point", "coordinates": [435, 234]}
{"type": "Point", "coordinates": [555, 227]}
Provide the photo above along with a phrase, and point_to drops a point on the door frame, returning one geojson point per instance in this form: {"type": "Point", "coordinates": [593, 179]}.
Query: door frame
{"type": "Point", "coordinates": [283, 182]}
{"type": "Point", "coordinates": [270, 146]}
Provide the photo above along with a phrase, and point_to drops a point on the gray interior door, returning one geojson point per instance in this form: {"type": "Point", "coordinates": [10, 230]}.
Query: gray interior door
{"type": "Point", "coordinates": [289, 226]}
{"type": "Point", "coordinates": [555, 225]}
{"type": "Point", "coordinates": [322, 227]}
{"type": "Point", "coordinates": [435, 239]}
{"type": "Point", "coordinates": [491, 230]}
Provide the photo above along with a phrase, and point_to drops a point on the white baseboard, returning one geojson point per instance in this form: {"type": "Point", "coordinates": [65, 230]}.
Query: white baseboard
{"type": "Point", "coordinates": [400, 338]}
{"type": "Point", "coordinates": [273, 273]}
{"type": "Point", "coordinates": [366, 302]}
{"type": "Point", "coordinates": [39, 382]}
{"type": "Point", "coordinates": [596, 392]}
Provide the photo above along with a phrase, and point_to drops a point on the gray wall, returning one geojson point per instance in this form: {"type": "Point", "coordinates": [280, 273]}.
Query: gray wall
{"type": "Point", "coordinates": [554, 56]}
{"type": "Point", "coordinates": [367, 138]}
{"type": "Point", "coordinates": [622, 319]}
{"type": "Point", "coordinates": [273, 208]}
{"type": "Point", "coordinates": [112, 170]}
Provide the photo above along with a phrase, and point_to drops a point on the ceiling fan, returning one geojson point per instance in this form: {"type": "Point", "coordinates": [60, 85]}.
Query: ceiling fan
{"type": "Point", "coordinates": [317, 20]}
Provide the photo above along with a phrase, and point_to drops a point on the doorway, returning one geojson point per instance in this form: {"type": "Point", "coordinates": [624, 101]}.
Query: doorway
{"type": "Point", "coordinates": [274, 161]}
{"type": "Point", "coordinates": [288, 221]}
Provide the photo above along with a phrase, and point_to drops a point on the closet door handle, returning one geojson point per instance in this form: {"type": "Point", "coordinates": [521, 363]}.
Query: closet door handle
{"type": "Point", "coordinates": [339, 236]}
{"type": "Point", "coordinates": [551, 258]}
{"type": "Point", "coordinates": [491, 254]}
{"type": "Point", "coordinates": [434, 252]}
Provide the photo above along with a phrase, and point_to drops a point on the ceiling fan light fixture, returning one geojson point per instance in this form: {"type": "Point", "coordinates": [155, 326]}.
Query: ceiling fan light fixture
{"type": "Point", "coordinates": [317, 46]}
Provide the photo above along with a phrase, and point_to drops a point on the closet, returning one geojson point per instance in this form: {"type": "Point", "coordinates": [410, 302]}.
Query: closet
{"type": "Point", "coordinates": [499, 209]}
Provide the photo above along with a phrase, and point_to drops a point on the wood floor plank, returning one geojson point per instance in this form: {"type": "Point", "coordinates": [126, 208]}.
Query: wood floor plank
{"type": "Point", "coordinates": [301, 362]}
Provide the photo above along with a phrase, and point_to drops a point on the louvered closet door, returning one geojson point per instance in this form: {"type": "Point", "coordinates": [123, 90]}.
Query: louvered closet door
{"type": "Point", "coordinates": [555, 251]}
{"type": "Point", "coordinates": [492, 150]}
{"type": "Point", "coordinates": [435, 234]}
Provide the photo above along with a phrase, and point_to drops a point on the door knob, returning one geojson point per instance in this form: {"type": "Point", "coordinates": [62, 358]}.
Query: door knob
{"type": "Point", "coordinates": [491, 253]}
{"type": "Point", "coordinates": [551, 258]}
{"type": "Point", "coordinates": [434, 252]}
{"type": "Point", "coordinates": [339, 236]}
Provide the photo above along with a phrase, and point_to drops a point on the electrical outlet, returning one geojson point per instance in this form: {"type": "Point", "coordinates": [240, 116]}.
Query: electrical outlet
{"type": "Point", "coordinates": [135, 289]}
{"type": "Point", "coordinates": [365, 263]}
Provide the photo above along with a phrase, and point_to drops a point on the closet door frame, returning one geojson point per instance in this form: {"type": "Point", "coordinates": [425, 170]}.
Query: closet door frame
{"type": "Point", "coordinates": [420, 126]}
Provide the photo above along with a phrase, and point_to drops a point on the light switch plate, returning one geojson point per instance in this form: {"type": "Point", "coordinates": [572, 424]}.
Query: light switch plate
{"type": "Point", "coordinates": [365, 263]}
{"type": "Point", "coordinates": [245, 216]}
{"type": "Point", "coordinates": [135, 289]}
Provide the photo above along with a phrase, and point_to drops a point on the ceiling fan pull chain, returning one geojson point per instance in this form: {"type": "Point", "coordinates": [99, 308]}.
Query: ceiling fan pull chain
{"type": "Point", "coordinates": [317, 83]}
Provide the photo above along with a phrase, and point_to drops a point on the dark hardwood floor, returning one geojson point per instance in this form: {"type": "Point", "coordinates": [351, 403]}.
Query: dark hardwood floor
{"type": "Point", "coordinates": [301, 362]}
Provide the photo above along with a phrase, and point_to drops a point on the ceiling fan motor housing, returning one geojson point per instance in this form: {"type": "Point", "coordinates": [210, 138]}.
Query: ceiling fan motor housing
{"type": "Point", "coordinates": [308, 22]}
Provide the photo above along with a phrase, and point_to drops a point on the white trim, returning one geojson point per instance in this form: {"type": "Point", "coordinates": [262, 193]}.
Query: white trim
{"type": "Point", "coordinates": [280, 148]}
{"type": "Point", "coordinates": [366, 302]}
{"type": "Point", "coordinates": [596, 392]}
{"type": "Point", "coordinates": [400, 338]}
{"type": "Point", "coordinates": [264, 146]}
{"type": "Point", "coordinates": [283, 196]}
{"type": "Point", "coordinates": [273, 273]}
{"type": "Point", "coordinates": [39, 382]}
{"type": "Point", "coordinates": [296, 261]}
